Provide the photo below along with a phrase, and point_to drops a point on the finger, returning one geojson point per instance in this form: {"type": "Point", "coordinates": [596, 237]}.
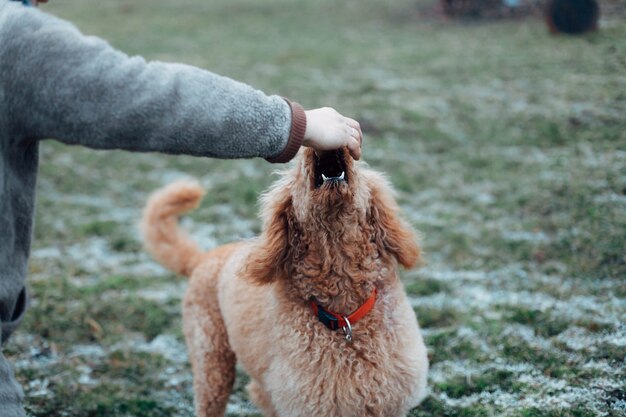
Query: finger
{"type": "Point", "coordinates": [352, 123]}
{"type": "Point", "coordinates": [355, 125]}
{"type": "Point", "coordinates": [360, 137]}
{"type": "Point", "coordinates": [356, 134]}
{"type": "Point", "coordinates": [355, 148]}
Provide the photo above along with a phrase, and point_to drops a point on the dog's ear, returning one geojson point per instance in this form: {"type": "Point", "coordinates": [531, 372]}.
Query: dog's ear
{"type": "Point", "coordinates": [270, 258]}
{"type": "Point", "coordinates": [392, 235]}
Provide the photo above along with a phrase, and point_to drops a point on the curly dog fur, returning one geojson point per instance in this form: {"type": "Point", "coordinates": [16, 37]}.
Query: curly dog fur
{"type": "Point", "coordinates": [250, 301]}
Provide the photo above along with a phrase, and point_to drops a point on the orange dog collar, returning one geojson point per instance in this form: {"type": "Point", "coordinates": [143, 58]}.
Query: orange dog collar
{"type": "Point", "coordinates": [336, 321]}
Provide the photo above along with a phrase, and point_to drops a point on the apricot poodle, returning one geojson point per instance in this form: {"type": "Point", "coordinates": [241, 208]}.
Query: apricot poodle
{"type": "Point", "coordinates": [312, 309]}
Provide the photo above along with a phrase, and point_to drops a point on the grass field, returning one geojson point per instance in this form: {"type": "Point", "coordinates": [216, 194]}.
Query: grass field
{"type": "Point", "coordinates": [508, 149]}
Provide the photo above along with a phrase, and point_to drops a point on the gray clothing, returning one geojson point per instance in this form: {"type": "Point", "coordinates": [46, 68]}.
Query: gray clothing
{"type": "Point", "coordinates": [57, 83]}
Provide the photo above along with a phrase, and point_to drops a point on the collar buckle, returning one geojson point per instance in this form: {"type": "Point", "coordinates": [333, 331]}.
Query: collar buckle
{"type": "Point", "coordinates": [329, 320]}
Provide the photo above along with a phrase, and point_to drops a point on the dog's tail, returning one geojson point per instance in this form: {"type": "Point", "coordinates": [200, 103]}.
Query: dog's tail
{"type": "Point", "coordinates": [164, 240]}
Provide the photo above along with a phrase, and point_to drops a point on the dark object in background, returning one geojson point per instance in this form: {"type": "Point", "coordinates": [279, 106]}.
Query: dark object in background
{"type": "Point", "coordinates": [572, 16]}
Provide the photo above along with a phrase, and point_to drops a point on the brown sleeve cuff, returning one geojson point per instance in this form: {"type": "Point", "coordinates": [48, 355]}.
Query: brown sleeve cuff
{"type": "Point", "coordinates": [296, 135]}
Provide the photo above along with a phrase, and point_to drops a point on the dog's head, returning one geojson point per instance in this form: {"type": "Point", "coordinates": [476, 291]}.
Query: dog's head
{"type": "Point", "coordinates": [330, 220]}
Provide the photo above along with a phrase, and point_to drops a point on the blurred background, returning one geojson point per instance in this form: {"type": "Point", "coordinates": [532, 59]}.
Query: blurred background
{"type": "Point", "coordinates": [504, 135]}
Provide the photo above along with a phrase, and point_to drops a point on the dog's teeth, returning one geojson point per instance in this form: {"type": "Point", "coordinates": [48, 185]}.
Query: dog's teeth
{"type": "Point", "coordinates": [340, 177]}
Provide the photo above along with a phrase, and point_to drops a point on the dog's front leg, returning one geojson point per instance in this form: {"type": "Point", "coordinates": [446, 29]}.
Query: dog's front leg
{"type": "Point", "coordinates": [212, 360]}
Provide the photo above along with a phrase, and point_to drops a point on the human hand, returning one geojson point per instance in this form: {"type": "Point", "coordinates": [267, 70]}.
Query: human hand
{"type": "Point", "coordinates": [327, 129]}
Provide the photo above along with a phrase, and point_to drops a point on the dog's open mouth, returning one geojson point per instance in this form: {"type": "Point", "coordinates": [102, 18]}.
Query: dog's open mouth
{"type": "Point", "coordinates": [330, 168]}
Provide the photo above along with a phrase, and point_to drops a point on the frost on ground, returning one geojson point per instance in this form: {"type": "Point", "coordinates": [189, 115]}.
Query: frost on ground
{"type": "Point", "coordinates": [508, 151]}
{"type": "Point", "coordinates": [538, 350]}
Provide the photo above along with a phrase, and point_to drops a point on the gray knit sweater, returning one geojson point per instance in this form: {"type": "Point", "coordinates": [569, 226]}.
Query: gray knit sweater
{"type": "Point", "coordinates": [57, 83]}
